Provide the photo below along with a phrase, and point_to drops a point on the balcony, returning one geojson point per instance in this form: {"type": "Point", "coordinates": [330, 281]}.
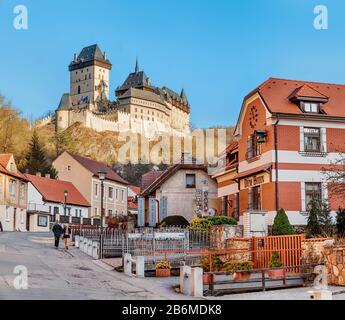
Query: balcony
{"type": "Point", "coordinates": [34, 207]}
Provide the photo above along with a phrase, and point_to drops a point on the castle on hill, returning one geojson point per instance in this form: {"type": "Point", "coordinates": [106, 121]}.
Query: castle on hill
{"type": "Point", "coordinates": [139, 106]}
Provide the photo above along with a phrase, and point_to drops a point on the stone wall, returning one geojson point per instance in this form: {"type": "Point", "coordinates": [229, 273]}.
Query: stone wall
{"type": "Point", "coordinates": [220, 234]}
{"type": "Point", "coordinates": [313, 251]}
{"type": "Point", "coordinates": [242, 249]}
{"type": "Point", "coordinates": [335, 263]}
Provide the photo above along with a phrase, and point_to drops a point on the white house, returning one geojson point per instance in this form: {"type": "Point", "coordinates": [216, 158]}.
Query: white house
{"type": "Point", "coordinates": [49, 200]}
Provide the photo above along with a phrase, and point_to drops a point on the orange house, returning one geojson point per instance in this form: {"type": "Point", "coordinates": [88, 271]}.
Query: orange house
{"type": "Point", "coordinates": [288, 133]}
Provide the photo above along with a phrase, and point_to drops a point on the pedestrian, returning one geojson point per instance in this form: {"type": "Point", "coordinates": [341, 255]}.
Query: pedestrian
{"type": "Point", "coordinates": [66, 235]}
{"type": "Point", "coordinates": [58, 231]}
{"type": "Point", "coordinates": [1, 228]}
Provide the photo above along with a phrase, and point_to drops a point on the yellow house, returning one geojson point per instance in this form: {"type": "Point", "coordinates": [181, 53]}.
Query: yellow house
{"type": "Point", "coordinates": [13, 195]}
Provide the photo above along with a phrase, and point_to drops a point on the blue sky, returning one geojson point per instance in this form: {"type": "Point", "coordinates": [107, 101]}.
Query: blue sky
{"type": "Point", "coordinates": [217, 50]}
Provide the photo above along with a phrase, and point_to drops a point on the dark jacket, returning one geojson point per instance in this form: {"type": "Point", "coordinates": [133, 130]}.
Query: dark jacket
{"type": "Point", "coordinates": [65, 233]}
{"type": "Point", "coordinates": [57, 230]}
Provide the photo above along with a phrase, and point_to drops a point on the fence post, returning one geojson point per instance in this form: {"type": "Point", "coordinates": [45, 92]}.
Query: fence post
{"type": "Point", "coordinates": [197, 283]}
{"type": "Point", "coordinates": [140, 267]}
{"type": "Point", "coordinates": [263, 280]}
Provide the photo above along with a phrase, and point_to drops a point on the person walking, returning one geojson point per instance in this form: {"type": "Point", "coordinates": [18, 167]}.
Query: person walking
{"type": "Point", "coordinates": [66, 235]}
{"type": "Point", "coordinates": [58, 231]}
{"type": "Point", "coordinates": [1, 228]}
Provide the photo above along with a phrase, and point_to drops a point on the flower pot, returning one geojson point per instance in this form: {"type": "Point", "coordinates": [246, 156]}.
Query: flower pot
{"type": "Point", "coordinates": [241, 276]}
{"type": "Point", "coordinates": [163, 273]}
{"type": "Point", "coordinates": [207, 278]}
{"type": "Point", "coordinates": [276, 274]}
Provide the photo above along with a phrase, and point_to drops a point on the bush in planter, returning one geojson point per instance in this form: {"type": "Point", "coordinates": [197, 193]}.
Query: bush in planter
{"type": "Point", "coordinates": [163, 269]}
{"type": "Point", "coordinates": [200, 224]}
{"type": "Point", "coordinates": [164, 265]}
{"type": "Point", "coordinates": [275, 261]}
{"type": "Point", "coordinates": [217, 263]}
{"type": "Point", "coordinates": [281, 225]}
{"type": "Point", "coordinates": [222, 220]}
{"type": "Point", "coordinates": [233, 266]}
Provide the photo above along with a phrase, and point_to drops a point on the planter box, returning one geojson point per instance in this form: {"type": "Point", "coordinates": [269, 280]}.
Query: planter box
{"type": "Point", "coordinates": [276, 274]}
{"type": "Point", "coordinates": [241, 276]}
{"type": "Point", "coordinates": [163, 273]}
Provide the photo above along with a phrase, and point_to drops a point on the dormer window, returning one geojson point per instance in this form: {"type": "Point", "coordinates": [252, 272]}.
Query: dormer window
{"type": "Point", "coordinates": [310, 107]}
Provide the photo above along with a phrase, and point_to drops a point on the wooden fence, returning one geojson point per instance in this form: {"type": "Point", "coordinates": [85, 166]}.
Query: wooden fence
{"type": "Point", "coordinates": [288, 247]}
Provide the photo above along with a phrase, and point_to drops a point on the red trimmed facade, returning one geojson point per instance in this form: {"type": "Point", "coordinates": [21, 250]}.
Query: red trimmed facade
{"type": "Point", "coordinates": [287, 134]}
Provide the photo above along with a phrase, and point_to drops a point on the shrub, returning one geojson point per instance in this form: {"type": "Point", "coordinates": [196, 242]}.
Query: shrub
{"type": "Point", "coordinates": [325, 220]}
{"type": "Point", "coordinates": [222, 220]}
{"type": "Point", "coordinates": [275, 261]}
{"type": "Point", "coordinates": [281, 225]}
{"type": "Point", "coordinates": [217, 263]}
{"type": "Point", "coordinates": [200, 224]}
{"type": "Point", "coordinates": [164, 265]}
{"type": "Point", "coordinates": [313, 226]}
{"type": "Point", "coordinates": [233, 266]}
{"type": "Point", "coordinates": [340, 223]}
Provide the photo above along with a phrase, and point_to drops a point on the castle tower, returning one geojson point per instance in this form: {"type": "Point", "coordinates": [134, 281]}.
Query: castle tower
{"type": "Point", "coordinates": [89, 77]}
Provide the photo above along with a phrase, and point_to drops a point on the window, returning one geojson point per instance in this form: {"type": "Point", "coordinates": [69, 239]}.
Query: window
{"type": "Point", "coordinates": [96, 190]}
{"type": "Point", "coordinates": [190, 181]}
{"type": "Point", "coordinates": [56, 210]}
{"type": "Point", "coordinates": [122, 195]}
{"type": "Point", "coordinates": [111, 192]}
{"type": "Point", "coordinates": [76, 212]}
{"type": "Point", "coordinates": [69, 168]}
{"type": "Point", "coordinates": [311, 107]}
{"type": "Point", "coordinates": [110, 213]}
{"type": "Point", "coordinates": [78, 89]}
{"type": "Point", "coordinates": [13, 188]}
{"type": "Point", "coordinates": [225, 202]}
{"type": "Point", "coordinates": [255, 198]}
{"type": "Point", "coordinates": [253, 147]}
{"type": "Point", "coordinates": [117, 194]}
{"type": "Point", "coordinates": [7, 214]}
{"type": "Point", "coordinates": [312, 190]}
{"type": "Point", "coordinates": [312, 140]}
{"type": "Point", "coordinates": [42, 221]}
{"type": "Point", "coordinates": [22, 191]}
{"type": "Point", "coordinates": [95, 210]}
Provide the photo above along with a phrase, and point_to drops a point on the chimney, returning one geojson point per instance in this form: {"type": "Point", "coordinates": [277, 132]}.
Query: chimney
{"type": "Point", "coordinates": [47, 175]}
{"type": "Point", "coordinates": [38, 174]}
{"type": "Point", "coordinates": [75, 57]}
{"type": "Point", "coordinates": [105, 55]}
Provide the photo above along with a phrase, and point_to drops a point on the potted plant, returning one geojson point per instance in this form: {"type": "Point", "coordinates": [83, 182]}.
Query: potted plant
{"type": "Point", "coordinates": [275, 262]}
{"type": "Point", "coordinates": [163, 269]}
{"type": "Point", "coordinates": [205, 265]}
{"type": "Point", "coordinates": [240, 270]}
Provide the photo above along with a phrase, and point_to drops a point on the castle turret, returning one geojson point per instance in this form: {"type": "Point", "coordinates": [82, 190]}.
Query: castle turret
{"type": "Point", "coordinates": [90, 76]}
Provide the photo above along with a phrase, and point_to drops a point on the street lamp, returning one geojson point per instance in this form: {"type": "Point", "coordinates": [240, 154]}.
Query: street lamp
{"type": "Point", "coordinates": [102, 175]}
{"type": "Point", "coordinates": [65, 202]}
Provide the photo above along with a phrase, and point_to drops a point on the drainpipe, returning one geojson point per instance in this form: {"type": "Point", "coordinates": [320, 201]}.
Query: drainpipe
{"type": "Point", "coordinates": [158, 211]}
{"type": "Point", "coordinates": [276, 162]}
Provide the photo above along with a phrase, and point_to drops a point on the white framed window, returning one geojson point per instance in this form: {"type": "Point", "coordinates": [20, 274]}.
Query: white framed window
{"type": "Point", "coordinates": [12, 188]}
{"type": "Point", "coordinates": [122, 195]}
{"type": "Point", "coordinates": [311, 107]}
{"type": "Point", "coordinates": [111, 192]}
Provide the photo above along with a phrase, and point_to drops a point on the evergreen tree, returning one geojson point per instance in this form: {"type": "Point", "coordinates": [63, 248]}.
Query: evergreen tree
{"type": "Point", "coordinates": [313, 226]}
{"type": "Point", "coordinates": [325, 220]}
{"type": "Point", "coordinates": [341, 223]}
{"type": "Point", "coordinates": [281, 225]}
{"type": "Point", "coordinates": [36, 161]}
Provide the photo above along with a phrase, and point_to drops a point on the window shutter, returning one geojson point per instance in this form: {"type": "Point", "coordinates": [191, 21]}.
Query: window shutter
{"type": "Point", "coordinates": [250, 199]}
{"type": "Point", "coordinates": [301, 135]}
{"type": "Point", "coordinates": [323, 140]}
{"type": "Point", "coordinates": [141, 212]}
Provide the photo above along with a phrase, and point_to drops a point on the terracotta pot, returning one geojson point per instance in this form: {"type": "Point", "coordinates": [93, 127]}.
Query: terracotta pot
{"type": "Point", "coordinates": [276, 274]}
{"type": "Point", "coordinates": [163, 273]}
{"type": "Point", "coordinates": [207, 278]}
{"type": "Point", "coordinates": [241, 276]}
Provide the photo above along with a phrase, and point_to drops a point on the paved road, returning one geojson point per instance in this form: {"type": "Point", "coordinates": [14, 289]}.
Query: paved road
{"type": "Point", "coordinates": [60, 275]}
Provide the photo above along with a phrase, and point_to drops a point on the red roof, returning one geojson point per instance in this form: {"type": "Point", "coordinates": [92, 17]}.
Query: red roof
{"type": "Point", "coordinates": [276, 92]}
{"type": "Point", "coordinates": [148, 178]}
{"type": "Point", "coordinates": [95, 166]}
{"type": "Point", "coordinates": [53, 191]}
{"type": "Point", "coordinates": [135, 189]}
{"type": "Point", "coordinates": [4, 159]}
